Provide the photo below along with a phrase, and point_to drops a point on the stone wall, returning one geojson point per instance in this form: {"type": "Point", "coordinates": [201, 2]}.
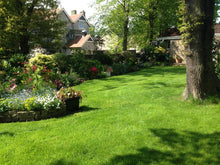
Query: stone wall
{"type": "Point", "coordinates": [22, 116]}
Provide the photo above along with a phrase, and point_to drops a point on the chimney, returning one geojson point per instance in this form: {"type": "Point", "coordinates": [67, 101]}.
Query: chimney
{"type": "Point", "coordinates": [83, 12]}
{"type": "Point", "coordinates": [73, 12]}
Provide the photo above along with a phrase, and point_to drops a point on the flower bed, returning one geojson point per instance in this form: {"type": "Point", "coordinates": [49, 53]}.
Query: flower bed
{"type": "Point", "coordinates": [29, 105]}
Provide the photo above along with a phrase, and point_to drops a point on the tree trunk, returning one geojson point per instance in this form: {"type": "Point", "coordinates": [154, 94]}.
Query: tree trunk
{"type": "Point", "coordinates": [125, 35]}
{"type": "Point", "coordinates": [201, 79]}
{"type": "Point", "coordinates": [125, 28]}
{"type": "Point", "coordinates": [24, 42]}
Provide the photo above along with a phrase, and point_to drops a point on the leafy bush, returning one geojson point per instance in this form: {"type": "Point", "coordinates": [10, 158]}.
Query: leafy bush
{"type": "Point", "coordinates": [64, 62]}
{"type": "Point", "coordinates": [154, 54]}
{"type": "Point", "coordinates": [102, 57]}
{"type": "Point", "coordinates": [43, 60]}
{"type": "Point", "coordinates": [121, 68]}
{"type": "Point", "coordinates": [18, 60]}
{"type": "Point", "coordinates": [5, 52]}
{"type": "Point", "coordinates": [67, 79]}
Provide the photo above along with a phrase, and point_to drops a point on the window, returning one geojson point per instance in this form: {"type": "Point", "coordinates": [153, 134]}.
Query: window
{"type": "Point", "coordinates": [82, 25]}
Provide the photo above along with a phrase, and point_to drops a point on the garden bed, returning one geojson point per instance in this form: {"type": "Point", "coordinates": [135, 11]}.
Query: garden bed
{"type": "Point", "coordinates": [22, 116]}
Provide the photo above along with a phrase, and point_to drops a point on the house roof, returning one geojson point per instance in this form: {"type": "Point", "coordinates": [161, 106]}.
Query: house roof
{"type": "Point", "coordinates": [78, 42]}
{"type": "Point", "coordinates": [74, 18]}
{"type": "Point", "coordinates": [170, 32]}
{"type": "Point", "coordinates": [60, 10]}
{"type": "Point", "coordinates": [174, 33]}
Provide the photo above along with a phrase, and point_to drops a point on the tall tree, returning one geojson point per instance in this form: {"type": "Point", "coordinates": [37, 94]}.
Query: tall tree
{"type": "Point", "coordinates": [152, 17]}
{"type": "Point", "coordinates": [29, 22]}
{"type": "Point", "coordinates": [114, 18]}
{"type": "Point", "coordinates": [201, 79]}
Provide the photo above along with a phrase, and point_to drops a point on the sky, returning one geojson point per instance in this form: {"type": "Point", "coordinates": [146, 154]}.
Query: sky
{"type": "Point", "coordinates": [78, 5]}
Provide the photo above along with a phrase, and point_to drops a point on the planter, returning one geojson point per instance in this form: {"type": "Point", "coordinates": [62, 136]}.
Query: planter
{"type": "Point", "coordinates": [72, 104]}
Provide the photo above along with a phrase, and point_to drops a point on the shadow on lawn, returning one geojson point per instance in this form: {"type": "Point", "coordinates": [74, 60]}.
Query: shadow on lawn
{"type": "Point", "coordinates": [159, 71]}
{"type": "Point", "coordinates": [63, 162]}
{"type": "Point", "coordinates": [147, 73]}
{"type": "Point", "coordinates": [6, 134]}
{"type": "Point", "coordinates": [176, 148]}
{"type": "Point", "coordinates": [87, 108]}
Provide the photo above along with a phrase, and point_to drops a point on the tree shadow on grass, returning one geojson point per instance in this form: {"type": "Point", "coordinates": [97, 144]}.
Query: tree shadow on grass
{"type": "Point", "coordinates": [176, 148]}
{"type": "Point", "coordinates": [146, 73]}
{"type": "Point", "coordinates": [159, 71]}
{"type": "Point", "coordinates": [6, 134]}
{"type": "Point", "coordinates": [63, 162]}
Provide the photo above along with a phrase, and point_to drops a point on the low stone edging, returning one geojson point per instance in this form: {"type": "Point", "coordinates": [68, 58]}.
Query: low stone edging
{"type": "Point", "coordinates": [22, 116]}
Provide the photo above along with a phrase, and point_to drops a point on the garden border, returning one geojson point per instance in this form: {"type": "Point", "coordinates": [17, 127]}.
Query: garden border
{"type": "Point", "coordinates": [23, 116]}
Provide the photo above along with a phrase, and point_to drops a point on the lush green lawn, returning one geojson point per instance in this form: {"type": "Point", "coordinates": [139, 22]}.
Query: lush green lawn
{"type": "Point", "coordinates": [134, 119]}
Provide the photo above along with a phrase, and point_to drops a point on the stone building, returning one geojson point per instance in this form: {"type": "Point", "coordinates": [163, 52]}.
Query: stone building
{"type": "Point", "coordinates": [77, 36]}
{"type": "Point", "coordinates": [172, 40]}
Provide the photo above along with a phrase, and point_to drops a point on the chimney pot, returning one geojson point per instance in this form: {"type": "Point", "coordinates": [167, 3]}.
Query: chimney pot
{"type": "Point", "coordinates": [83, 12]}
{"type": "Point", "coordinates": [73, 12]}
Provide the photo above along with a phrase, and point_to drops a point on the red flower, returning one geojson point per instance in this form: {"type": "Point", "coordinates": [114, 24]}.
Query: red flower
{"type": "Point", "coordinates": [48, 70]}
{"type": "Point", "coordinates": [30, 79]}
{"type": "Point", "coordinates": [94, 69]}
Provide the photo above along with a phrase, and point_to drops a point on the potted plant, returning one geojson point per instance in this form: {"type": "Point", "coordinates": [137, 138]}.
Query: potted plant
{"type": "Point", "coordinates": [70, 97]}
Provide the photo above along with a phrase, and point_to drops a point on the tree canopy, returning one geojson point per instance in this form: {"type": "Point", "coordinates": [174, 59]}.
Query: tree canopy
{"type": "Point", "coordinates": [136, 20]}
{"type": "Point", "coordinates": [115, 18]}
{"type": "Point", "coordinates": [25, 23]}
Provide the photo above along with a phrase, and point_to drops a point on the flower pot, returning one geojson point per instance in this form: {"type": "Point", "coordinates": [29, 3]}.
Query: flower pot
{"type": "Point", "coordinates": [72, 104]}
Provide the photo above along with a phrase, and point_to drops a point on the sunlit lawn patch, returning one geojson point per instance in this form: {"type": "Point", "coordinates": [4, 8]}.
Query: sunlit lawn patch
{"type": "Point", "coordinates": [135, 119]}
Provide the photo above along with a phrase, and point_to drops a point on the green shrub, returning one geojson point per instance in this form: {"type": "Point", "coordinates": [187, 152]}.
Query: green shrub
{"type": "Point", "coordinates": [18, 60]}
{"type": "Point", "coordinates": [102, 57]}
{"type": "Point", "coordinates": [64, 62]}
{"type": "Point", "coordinates": [4, 65]}
{"type": "Point", "coordinates": [5, 52]}
{"type": "Point", "coordinates": [43, 60]}
{"type": "Point", "coordinates": [69, 79]}
{"type": "Point", "coordinates": [154, 54]}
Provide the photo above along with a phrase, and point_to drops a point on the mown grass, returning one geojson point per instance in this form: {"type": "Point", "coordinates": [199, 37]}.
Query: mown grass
{"type": "Point", "coordinates": [134, 119]}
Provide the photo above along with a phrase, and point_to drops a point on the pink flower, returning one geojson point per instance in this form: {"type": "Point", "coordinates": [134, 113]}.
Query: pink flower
{"type": "Point", "coordinates": [12, 80]}
{"type": "Point", "coordinates": [13, 87]}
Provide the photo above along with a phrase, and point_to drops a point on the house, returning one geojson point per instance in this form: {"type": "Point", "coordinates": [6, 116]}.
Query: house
{"type": "Point", "coordinates": [77, 36]}
{"type": "Point", "coordinates": [171, 38]}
